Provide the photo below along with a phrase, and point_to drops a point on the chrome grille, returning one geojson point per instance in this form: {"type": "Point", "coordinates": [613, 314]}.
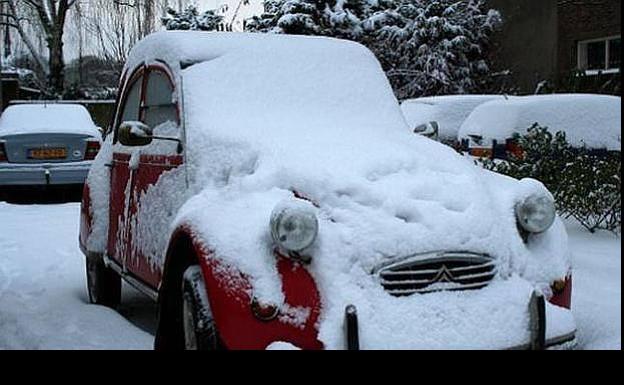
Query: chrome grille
{"type": "Point", "coordinates": [430, 272]}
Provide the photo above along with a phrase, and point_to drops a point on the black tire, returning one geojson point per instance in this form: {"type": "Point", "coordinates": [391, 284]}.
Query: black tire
{"type": "Point", "coordinates": [103, 284]}
{"type": "Point", "coordinates": [199, 329]}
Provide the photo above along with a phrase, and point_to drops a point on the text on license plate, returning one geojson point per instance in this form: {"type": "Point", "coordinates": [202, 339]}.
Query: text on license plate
{"type": "Point", "coordinates": [47, 153]}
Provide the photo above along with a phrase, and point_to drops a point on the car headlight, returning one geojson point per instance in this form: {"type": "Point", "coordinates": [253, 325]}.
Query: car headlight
{"type": "Point", "coordinates": [536, 213]}
{"type": "Point", "coordinates": [294, 225]}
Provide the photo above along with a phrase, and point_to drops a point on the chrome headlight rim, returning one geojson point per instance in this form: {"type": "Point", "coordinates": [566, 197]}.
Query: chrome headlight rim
{"type": "Point", "coordinates": [294, 226]}
{"type": "Point", "coordinates": [536, 213]}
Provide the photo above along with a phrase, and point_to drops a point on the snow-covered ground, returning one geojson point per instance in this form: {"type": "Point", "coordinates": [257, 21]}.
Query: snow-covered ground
{"type": "Point", "coordinates": [43, 300]}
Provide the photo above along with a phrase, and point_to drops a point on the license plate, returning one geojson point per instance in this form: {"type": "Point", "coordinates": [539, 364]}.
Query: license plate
{"type": "Point", "coordinates": [47, 153]}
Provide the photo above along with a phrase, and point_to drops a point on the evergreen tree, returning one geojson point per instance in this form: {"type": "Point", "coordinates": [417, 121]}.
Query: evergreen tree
{"type": "Point", "coordinates": [337, 18]}
{"type": "Point", "coordinates": [191, 19]}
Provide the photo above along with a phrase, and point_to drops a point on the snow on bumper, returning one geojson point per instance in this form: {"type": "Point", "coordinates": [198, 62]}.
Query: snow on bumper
{"type": "Point", "coordinates": [495, 317]}
{"type": "Point", "coordinates": [44, 173]}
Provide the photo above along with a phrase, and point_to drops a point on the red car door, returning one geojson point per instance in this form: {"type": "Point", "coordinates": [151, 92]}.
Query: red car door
{"type": "Point", "coordinates": [121, 176]}
{"type": "Point", "coordinates": [157, 109]}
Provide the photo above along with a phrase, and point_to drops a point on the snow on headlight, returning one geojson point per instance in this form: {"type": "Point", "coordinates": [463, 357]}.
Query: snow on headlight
{"type": "Point", "coordinates": [536, 213]}
{"type": "Point", "coordinates": [294, 225]}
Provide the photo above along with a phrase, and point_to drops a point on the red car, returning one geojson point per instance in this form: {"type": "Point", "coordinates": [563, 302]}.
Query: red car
{"type": "Point", "coordinates": [266, 192]}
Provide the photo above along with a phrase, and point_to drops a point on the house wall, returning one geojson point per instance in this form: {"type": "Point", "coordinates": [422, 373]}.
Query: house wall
{"type": "Point", "coordinates": [539, 40]}
{"type": "Point", "coordinates": [585, 20]}
{"type": "Point", "coordinates": [527, 43]}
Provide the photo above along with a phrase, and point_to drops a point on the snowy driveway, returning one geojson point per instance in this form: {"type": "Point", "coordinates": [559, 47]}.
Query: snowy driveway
{"type": "Point", "coordinates": [43, 300]}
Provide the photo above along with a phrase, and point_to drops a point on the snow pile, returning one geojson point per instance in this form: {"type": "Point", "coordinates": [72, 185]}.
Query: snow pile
{"type": "Point", "coordinates": [317, 116]}
{"type": "Point", "coordinates": [449, 111]}
{"type": "Point", "coordinates": [591, 120]}
{"type": "Point", "coordinates": [47, 118]}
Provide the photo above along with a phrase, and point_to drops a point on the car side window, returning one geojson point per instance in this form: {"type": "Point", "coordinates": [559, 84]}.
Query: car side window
{"type": "Point", "coordinates": [133, 101]}
{"type": "Point", "coordinates": [159, 106]}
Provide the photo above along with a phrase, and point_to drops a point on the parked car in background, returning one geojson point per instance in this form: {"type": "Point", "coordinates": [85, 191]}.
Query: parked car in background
{"type": "Point", "coordinates": [593, 121]}
{"type": "Point", "coordinates": [447, 111]}
{"type": "Point", "coordinates": [46, 145]}
{"type": "Point", "coordinates": [264, 189]}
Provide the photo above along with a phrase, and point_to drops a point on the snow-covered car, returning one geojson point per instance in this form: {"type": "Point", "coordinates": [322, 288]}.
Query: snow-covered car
{"type": "Point", "coordinates": [447, 111]}
{"type": "Point", "coordinates": [591, 121]}
{"type": "Point", "coordinates": [266, 192]}
{"type": "Point", "coordinates": [46, 144]}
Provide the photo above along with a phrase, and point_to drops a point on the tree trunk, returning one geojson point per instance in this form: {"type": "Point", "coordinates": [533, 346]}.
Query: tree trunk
{"type": "Point", "coordinates": [56, 80]}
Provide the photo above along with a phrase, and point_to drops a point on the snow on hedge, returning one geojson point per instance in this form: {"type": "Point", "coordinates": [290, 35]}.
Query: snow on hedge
{"type": "Point", "coordinates": [449, 111]}
{"type": "Point", "coordinates": [266, 115]}
{"type": "Point", "coordinates": [47, 118]}
{"type": "Point", "coordinates": [591, 120]}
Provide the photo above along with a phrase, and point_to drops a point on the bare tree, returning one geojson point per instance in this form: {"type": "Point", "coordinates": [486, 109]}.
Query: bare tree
{"type": "Point", "coordinates": [48, 17]}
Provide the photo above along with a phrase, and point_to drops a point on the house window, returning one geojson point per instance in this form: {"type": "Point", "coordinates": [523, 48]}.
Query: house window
{"type": "Point", "coordinates": [600, 55]}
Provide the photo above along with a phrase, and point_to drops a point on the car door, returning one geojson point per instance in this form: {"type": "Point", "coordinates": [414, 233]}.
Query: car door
{"type": "Point", "coordinates": [146, 239]}
{"type": "Point", "coordinates": [121, 175]}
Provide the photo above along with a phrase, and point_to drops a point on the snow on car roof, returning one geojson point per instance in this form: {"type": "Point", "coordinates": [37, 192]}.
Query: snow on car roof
{"type": "Point", "coordinates": [245, 85]}
{"type": "Point", "coordinates": [304, 90]}
{"type": "Point", "coordinates": [47, 118]}
{"type": "Point", "coordinates": [593, 120]}
{"type": "Point", "coordinates": [449, 111]}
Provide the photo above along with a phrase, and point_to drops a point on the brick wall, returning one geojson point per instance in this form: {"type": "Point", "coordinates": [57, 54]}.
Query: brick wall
{"type": "Point", "coordinates": [539, 41]}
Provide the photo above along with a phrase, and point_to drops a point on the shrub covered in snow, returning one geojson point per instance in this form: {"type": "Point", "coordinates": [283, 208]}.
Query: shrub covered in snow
{"type": "Point", "coordinates": [586, 183]}
{"type": "Point", "coordinates": [426, 47]}
{"type": "Point", "coordinates": [191, 19]}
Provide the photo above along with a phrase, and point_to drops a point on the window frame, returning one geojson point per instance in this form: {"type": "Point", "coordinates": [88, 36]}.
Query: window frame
{"type": "Point", "coordinates": [144, 71]}
{"type": "Point", "coordinates": [581, 55]}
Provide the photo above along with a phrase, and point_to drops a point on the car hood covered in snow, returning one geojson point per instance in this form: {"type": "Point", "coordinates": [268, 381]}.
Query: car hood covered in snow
{"type": "Point", "coordinates": [270, 115]}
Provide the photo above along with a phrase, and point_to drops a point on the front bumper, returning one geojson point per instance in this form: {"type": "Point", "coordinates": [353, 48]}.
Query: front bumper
{"type": "Point", "coordinates": [495, 317]}
{"type": "Point", "coordinates": [14, 174]}
{"type": "Point", "coordinates": [539, 339]}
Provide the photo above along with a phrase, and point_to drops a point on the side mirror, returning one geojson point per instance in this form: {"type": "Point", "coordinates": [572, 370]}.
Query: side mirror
{"type": "Point", "coordinates": [430, 130]}
{"type": "Point", "coordinates": [134, 134]}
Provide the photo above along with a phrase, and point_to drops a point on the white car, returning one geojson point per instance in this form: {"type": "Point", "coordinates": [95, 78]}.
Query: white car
{"type": "Point", "coordinates": [265, 190]}
{"type": "Point", "coordinates": [447, 111]}
{"type": "Point", "coordinates": [46, 145]}
{"type": "Point", "coordinates": [592, 121]}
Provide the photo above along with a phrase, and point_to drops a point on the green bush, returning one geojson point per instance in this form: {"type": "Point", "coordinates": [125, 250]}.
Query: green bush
{"type": "Point", "coordinates": [586, 183]}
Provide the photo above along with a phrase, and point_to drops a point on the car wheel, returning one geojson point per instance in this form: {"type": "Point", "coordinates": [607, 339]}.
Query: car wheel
{"type": "Point", "coordinates": [103, 284]}
{"type": "Point", "coordinates": [198, 324]}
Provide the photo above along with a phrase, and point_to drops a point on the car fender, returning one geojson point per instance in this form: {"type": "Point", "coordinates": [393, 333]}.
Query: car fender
{"type": "Point", "coordinates": [231, 299]}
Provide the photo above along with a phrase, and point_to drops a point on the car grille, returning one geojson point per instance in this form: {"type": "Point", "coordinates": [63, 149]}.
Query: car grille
{"type": "Point", "coordinates": [431, 272]}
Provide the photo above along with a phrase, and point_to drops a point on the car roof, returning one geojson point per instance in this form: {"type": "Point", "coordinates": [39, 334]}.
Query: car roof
{"type": "Point", "coordinates": [182, 49]}
{"type": "Point", "coordinates": [593, 120]}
